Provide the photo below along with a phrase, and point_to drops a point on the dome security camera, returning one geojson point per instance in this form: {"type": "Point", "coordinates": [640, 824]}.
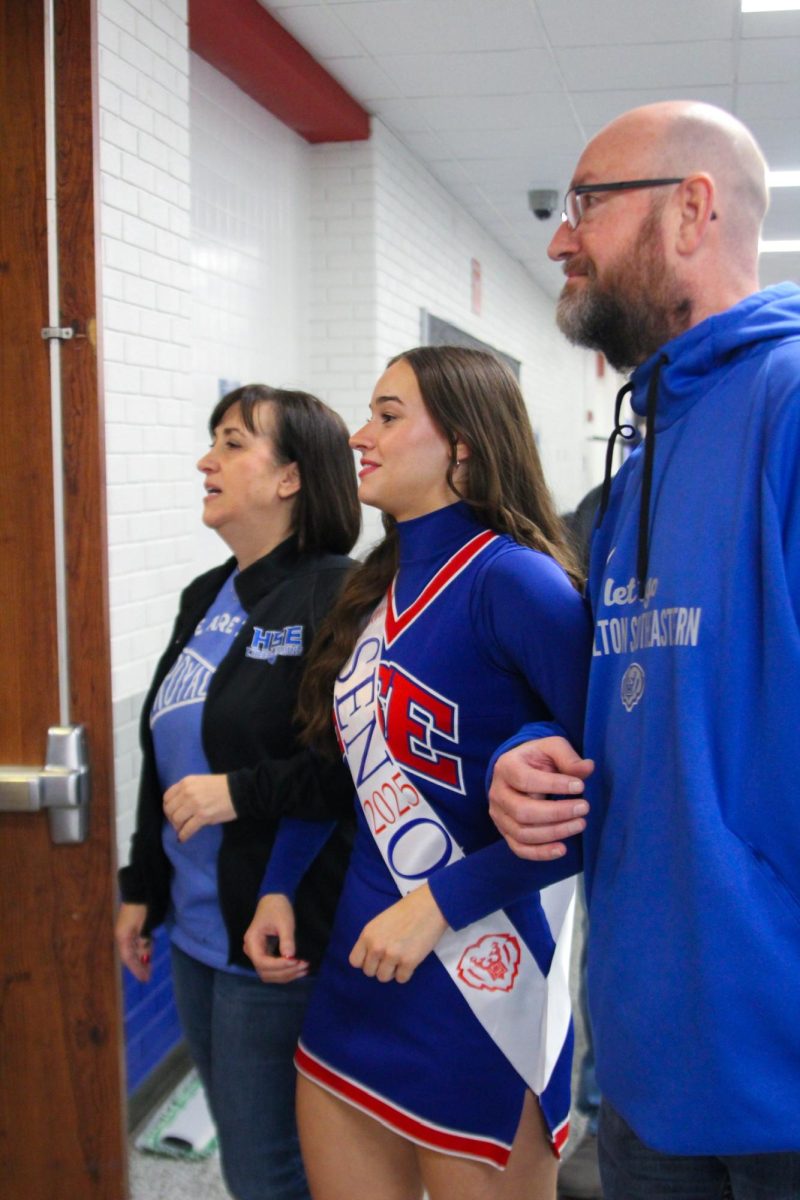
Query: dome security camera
{"type": "Point", "coordinates": [543, 202]}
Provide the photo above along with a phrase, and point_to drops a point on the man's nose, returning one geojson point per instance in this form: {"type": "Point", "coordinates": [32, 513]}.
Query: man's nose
{"type": "Point", "coordinates": [563, 243]}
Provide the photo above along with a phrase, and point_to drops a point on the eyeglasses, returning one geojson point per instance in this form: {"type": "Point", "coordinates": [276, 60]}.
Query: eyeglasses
{"type": "Point", "coordinates": [576, 201]}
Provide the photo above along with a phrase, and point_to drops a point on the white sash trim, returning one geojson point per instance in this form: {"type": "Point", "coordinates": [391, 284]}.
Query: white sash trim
{"type": "Point", "coordinates": [526, 1013]}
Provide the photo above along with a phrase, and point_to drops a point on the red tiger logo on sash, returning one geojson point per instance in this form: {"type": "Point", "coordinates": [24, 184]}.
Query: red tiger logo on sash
{"type": "Point", "coordinates": [491, 963]}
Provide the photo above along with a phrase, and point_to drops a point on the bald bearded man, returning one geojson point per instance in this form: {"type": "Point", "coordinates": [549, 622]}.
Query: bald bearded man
{"type": "Point", "coordinates": [692, 826]}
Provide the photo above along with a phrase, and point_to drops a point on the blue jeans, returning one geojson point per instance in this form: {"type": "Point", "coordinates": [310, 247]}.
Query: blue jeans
{"type": "Point", "coordinates": [242, 1034]}
{"type": "Point", "coordinates": [632, 1171]}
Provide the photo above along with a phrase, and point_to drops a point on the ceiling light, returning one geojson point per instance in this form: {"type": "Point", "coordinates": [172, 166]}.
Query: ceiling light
{"type": "Point", "coordinates": [783, 179]}
{"type": "Point", "coordinates": [769, 5]}
{"type": "Point", "coordinates": [779, 246]}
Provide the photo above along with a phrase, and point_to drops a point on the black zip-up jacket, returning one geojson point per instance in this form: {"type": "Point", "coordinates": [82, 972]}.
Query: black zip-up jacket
{"type": "Point", "coordinates": [248, 735]}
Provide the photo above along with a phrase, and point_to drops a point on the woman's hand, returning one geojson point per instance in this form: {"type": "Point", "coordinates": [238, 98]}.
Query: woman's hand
{"type": "Point", "coordinates": [269, 941]}
{"type": "Point", "coordinates": [198, 800]}
{"type": "Point", "coordinates": [395, 942]}
{"type": "Point", "coordinates": [134, 950]}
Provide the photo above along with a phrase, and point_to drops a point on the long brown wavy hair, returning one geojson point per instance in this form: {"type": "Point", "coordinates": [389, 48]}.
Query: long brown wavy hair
{"type": "Point", "coordinates": [472, 398]}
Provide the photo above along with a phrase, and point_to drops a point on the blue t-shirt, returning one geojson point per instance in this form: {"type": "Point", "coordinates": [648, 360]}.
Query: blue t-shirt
{"type": "Point", "coordinates": [195, 920]}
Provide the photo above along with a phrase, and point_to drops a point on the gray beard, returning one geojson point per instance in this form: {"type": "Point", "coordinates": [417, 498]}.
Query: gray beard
{"type": "Point", "coordinates": [634, 312]}
{"type": "Point", "coordinates": [626, 333]}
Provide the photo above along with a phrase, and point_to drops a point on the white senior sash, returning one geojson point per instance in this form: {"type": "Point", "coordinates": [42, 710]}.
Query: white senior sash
{"type": "Point", "coordinates": [525, 1012]}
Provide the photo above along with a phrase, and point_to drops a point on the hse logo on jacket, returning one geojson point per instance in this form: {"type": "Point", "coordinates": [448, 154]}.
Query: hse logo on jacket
{"type": "Point", "coordinates": [268, 644]}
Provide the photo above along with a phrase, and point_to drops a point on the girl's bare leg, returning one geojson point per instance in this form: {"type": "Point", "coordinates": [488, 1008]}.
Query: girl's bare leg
{"type": "Point", "coordinates": [350, 1156]}
{"type": "Point", "coordinates": [530, 1174]}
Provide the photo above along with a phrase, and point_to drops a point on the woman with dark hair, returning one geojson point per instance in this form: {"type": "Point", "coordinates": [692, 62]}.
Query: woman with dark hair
{"type": "Point", "coordinates": [222, 765]}
{"type": "Point", "coordinates": [437, 1045]}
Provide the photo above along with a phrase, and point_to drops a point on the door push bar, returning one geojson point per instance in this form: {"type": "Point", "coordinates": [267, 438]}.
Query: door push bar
{"type": "Point", "coordinates": [62, 785]}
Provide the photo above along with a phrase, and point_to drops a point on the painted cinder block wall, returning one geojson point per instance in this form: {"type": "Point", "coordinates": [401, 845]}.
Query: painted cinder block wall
{"type": "Point", "coordinates": [145, 227]}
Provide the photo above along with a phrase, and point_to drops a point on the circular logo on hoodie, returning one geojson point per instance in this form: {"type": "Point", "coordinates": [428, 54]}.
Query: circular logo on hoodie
{"type": "Point", "coordinates": [632, 687]}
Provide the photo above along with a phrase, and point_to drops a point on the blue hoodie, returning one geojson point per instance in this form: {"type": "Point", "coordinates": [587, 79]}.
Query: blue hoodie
{"type": "Point", "coordinates": [692, 850]}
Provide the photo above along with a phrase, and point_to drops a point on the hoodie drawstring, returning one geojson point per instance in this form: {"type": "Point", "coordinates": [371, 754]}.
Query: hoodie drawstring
{"type": "Point", "coordinates": [643, 548]}
{"type": "Point", "coordinates": [628, 433]}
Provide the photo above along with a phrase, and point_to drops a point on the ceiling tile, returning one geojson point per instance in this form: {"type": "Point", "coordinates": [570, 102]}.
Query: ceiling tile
{"type": "Point", "coordinates": [764, 60]}
{"type": "Point", "coordinates": [477, 112]}
{"type": "Point", "coordinates": [496, 73]}
{"type": "Point", "coordinates": [779, 140]}
{"type": "Point", "coordinates": [596, 109]}
{"type": "Point", "coordinates": [771, 25]}
{"type": "Point", "coordinates": [765, 99]}
{"type": "Point", "coordinates": [404, 116]}
{"type": "Point", "coordinates": [670, 64]}
{"type": "Point", "coordinates": [364, 79]}
{"type": "Point", "coordinates": [319, 30]}
{"type": "Point", "coordinates": [430, 147]}
{"type": "Point", "coordinates": [626, 22]}
{"type": "Point", "coordinates": [775, 268]}
{"type": "Point", "coordinates": [783, 217]}
{"type": "Point", "coordinates": [488, 146]}
{"type": "Point", "coordinates": [466, 144]}
{"type": "Point", "coordinates": [496, 177]}
{"type": "Point", "coordinates": [443, 27]}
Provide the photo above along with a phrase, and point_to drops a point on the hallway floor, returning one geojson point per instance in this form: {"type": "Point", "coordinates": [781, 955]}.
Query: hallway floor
{"type": "Point", "coordinates": [153, 1177]}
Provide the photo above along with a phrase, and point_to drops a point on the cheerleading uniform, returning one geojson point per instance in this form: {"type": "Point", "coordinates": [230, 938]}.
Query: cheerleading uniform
{"type": "Point", "coordinates": [504, 636]}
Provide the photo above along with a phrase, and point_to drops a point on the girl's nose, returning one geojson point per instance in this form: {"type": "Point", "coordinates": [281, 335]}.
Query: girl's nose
{"type": "Point", "coordinates": [360, 437]}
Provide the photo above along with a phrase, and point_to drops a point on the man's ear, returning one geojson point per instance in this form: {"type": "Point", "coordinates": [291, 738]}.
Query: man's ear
{"type": "Point", "coordinates": [289, 483]}
{"type": "Point", "coordinates": [696, 196]}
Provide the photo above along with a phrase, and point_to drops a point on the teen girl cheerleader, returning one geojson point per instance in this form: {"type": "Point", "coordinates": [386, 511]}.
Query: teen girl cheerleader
{"type": "Point", "coordinates": [437, 1044]}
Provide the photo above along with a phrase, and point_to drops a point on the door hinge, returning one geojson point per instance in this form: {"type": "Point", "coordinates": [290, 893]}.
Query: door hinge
{"type": "Point", "coordinates": [63, 332]}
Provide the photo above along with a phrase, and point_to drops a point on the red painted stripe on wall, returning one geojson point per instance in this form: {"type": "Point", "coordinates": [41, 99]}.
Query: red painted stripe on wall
{"type": "Point", "coordinates": [243, 41]}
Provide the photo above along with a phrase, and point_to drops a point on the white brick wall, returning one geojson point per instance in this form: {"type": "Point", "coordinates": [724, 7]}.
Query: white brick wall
{"type": "Point", "coordinates": [250, 253]}
{"type": "Point", "coordinates": [146, 282]}
{"type": "Point", "coordinates": [199, 284]}
{"type": "Point", "coordinates": [344, 302]}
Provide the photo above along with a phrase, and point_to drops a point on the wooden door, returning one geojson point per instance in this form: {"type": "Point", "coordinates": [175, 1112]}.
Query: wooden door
{"type": "Point", "coordinates": [61, 1096]}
